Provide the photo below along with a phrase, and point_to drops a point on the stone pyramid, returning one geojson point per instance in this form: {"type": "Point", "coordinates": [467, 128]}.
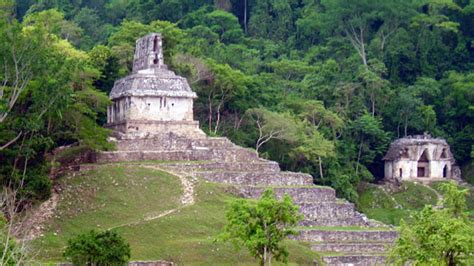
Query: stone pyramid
{"type": "Point", "coordinates": [332, 226]}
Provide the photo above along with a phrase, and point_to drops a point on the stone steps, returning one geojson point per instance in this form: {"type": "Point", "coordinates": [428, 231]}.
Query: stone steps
{"type": "Point", "coordinates": [310, 194]}
{"type": "Point", "coordinates": [351, 247]}
{"type": "Point", "coordinates": [327, 210]}
{"type": "Point", "coordinates": [254, 166]}
{"type": "Point", "coordinates": [317, 235]}
{"type": "Point", "coordinates": [171, 142]}
{"type": "Point", "coordinates": [195, 154]}
{"type": "Point", "coordinates": [333, 227]}
{"type": "Point", "coordinates": [257, 178]}
{"type": "Point", "coordinates": [178, 155]}
{"type": "Point", "coordinates": [234, 154]}
{"type": "Point", "coordinates": [339, 222]}
{"type": "Point", "coordinates": [353, 260]}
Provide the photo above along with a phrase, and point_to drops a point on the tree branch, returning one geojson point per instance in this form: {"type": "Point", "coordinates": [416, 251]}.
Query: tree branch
{"type": "Point", "coordinates": [11, 141]}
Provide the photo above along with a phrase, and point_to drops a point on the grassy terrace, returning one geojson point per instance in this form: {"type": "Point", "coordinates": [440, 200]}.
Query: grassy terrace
{"type": "Point", "coordinates": [390, 208]}
{"type": "Point", "coordinates": [343, 228]}
{"type": "Point", "coordinates": [120, 196]}
{"type": "Point", "coordinates": [147, 162]}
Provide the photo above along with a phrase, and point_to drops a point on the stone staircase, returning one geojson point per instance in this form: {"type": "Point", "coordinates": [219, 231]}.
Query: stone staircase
{"type": "Point", "coordinates": [334, 229]}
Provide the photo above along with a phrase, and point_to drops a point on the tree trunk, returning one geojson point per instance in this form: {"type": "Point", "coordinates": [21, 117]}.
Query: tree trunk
{"type": "Point", "coordinates": [11, 141]}
{"type": "Point", "coordinates": [238, 121]}
{"type": "Point", "coordinates": [265, 256]}
{"type": "Point", "coordinates": [372, 99]}
{"type": "Point", "coordinates": [209, 102]}
{"type": "Point", "coordinates": [320, 167]}
{"type": "Point", "coordinates": [358, 157]}
{"type": "Point", "coordinates": [245, 16]}
{"type": "Point", "coordinates": [406, 125]}
{"type": "Point", "coordinates": [450, 259]}
{"type": "Point", "coordinates": [357, 41]}
{"type": "Point", "coordinates": [218, 119]}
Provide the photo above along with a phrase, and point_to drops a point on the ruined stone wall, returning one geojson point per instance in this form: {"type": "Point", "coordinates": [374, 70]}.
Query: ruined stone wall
{"type": "Point", "coordinates": [257, 178]}
{"type": "Point", "coordinates": [148, 53]}
{"type": "Point", "coordinates": [146, 128]}
{"type": "Point", "coordinates": [161, 108]}
{"type": "Point", "coordinates": [170, 141]}
{"type": "Point", "coordinates": [174, 147]}
{"type": "Point", "coordinates": [354, 260]}
{"type": "Point", "coordinates": [299, 195]}
{"type": "Point", "coordinates": [154, 108]}
{"type": "Point", "coordinates": [119, 110]}
{"type": "Point", "coordinates": [135, 263]}
{"type": "Point", "coordinates": [346, 236]}
{"type": "Point", "coordinates": [257, 166]}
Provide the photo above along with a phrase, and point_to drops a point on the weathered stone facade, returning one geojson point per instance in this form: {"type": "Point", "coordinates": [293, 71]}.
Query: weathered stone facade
{"type": "Point", "coordinates": [420, 158]}
{"type": "Point", "coordinates": [158, 135]}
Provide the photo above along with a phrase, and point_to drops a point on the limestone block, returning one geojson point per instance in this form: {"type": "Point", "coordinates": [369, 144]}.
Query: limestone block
{"type": "Point", "coordinates": [257, 178]}
{"type": "Point", "coordinates": [351, 221]}
{"type": "Point", "coordinates": [354, 260]}
{"type": "Point", "coordinates": [352, 247]}
{"type": "Point", "coordinates": [146, 128]}
{"type": "Point", "coordinates": [346, 235]}
{"type": "Point", "coordinates": [257, 166]}
{"type": "Point", "coordinates": [130, 156]}
{"type": "Point", "coordinates": [323, 210]}
{"type": "Point", "coordinates": [298, 194]}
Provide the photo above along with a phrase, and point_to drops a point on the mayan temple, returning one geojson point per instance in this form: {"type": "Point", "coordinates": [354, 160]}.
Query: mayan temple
{"type": "Point", "coordinates": [152, 119]}
{"type": "Point", "coordinates": [420, 158]}
{"type": "Point", "coordinates": [152, 99]}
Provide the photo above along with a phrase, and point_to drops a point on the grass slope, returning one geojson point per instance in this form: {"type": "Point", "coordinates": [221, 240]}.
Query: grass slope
{"type": "Point", "coordinates": [115, 195]}
{"type": "Point", "coordinates": [391, 207]}
{"type": "Point", "coordinates": [469, 197]}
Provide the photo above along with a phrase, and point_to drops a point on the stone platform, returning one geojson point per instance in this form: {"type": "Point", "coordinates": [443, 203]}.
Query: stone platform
{"type": "Point", "coordinates": [332, 226]}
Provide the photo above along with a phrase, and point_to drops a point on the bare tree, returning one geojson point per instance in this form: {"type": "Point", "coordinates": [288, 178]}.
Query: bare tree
{"type": "Point", "coordinates": [16, 65]}
{"type": "Point", "coordinates": [272, 125]}
{"type": "Point", "coordinates": [357, 36]}
{"type": "Point", "coordinates": [245, 16]}
{"type": "Point", "coordinates": [13, 232]}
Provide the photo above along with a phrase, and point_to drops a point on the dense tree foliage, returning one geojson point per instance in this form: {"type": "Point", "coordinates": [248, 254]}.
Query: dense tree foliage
{"type": "Point", "coordinates": [349, 75]}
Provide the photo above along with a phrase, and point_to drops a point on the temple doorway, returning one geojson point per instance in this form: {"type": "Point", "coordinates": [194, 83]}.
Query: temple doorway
{"type": "Point", "coordinates": [423, 165]}
{"type": "Point", "coordinates": [445, 171]}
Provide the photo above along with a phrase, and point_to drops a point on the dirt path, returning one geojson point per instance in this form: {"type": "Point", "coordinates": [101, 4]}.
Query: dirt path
{"type": "Point", "coordinates": [188, 186]}
{"type": "Point", "coordinates": [438, 195]}
{"type": "Point", "coordinates": [33, 225]}
{"type": "Point", "coordinates": [187, 198]}
{"type": "Point", "coordinates": [397, 205]}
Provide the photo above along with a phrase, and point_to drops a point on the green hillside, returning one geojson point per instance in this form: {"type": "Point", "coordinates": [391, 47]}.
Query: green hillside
{"type": "Point", "coordinates": [123, 196]}
{"type": "Point", "coordinates": [380, 203]}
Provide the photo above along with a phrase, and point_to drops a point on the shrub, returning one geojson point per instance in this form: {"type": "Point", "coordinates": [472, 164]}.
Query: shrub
{"type": "Point", "coordinates": [98, 248]}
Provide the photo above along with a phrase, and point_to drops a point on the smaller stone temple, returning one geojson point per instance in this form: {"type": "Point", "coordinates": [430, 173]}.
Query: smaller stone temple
{"type": "Point", "coordinates": [152, 99]}
{"type": "Point", "coordinates": [420, 158]}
